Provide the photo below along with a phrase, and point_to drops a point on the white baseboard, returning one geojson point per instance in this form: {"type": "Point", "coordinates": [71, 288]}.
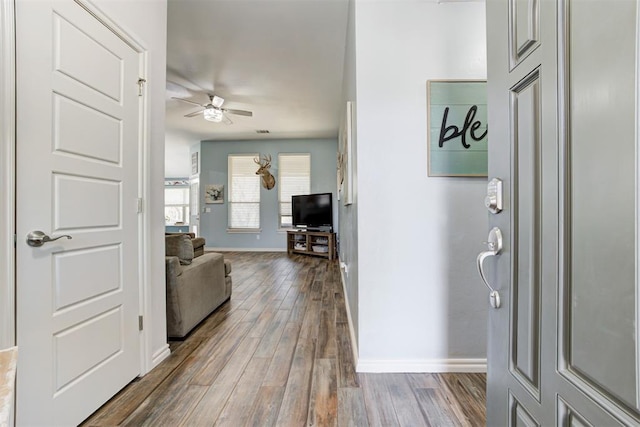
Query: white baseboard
{"type": "Point", "coordinates": [407, 366]}
{"type": "Point", "coordinates": [422, 365]}
{"type": "Point", "coordinates": [352, 331]}
{"type": "Point", "coordinates": [160, 355]}
{"type": "Point", "coordinates": [208, 248]}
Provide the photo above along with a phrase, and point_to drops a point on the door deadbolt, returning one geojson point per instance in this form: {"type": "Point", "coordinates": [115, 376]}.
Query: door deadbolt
{"type": "Point", "coordinates": [493, 200]}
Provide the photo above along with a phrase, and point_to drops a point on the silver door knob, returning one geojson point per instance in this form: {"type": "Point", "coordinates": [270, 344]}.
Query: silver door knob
{"type": "Point", "coordinates": [495, 246]}
{"type": "Point", "coordinates": [38, 238]}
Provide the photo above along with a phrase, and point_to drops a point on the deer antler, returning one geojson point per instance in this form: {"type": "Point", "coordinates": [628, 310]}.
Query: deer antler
{"type": "Point", "coordinates": [265, 162]}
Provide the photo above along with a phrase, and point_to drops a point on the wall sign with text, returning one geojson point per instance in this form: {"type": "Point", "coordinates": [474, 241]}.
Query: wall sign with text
{"type": "Point", "coordinates": [457, 127]}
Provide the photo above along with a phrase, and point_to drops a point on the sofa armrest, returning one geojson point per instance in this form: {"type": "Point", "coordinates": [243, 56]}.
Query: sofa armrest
{"type": "Point", "coordinates": [193, 295]}
{"type": "Point", "coordinates": [173, 266]}
{"type": "Point", "coordinates": [173, 272]}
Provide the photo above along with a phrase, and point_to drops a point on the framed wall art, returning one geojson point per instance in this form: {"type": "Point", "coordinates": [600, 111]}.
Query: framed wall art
{"type": "Point", "coordinates": [345, 158]}
{"type": "Point", "coordinates": [194, 163]}
{"type": "Point", "coordinates": [214, 193]}
{"type": "Point", "coordinates": [457, 134]}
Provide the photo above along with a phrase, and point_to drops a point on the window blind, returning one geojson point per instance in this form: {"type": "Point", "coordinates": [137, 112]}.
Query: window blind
{"type": "Point", "coordinates": [244, 192]}
{"type": "Point", "coordinates": [294, 179]}
{"type": "Point", "coordinates": [176, 205]}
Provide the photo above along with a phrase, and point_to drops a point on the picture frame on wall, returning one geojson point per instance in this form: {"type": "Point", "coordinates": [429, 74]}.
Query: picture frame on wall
{"type": "Point", "coordinates": [214, 193]}
{"type": "Point", "coordinates": [345, 157]}
{"type": "Point", "coordinates": [457, 132]}
{"type": "Point", "coordinates": [194, 163]}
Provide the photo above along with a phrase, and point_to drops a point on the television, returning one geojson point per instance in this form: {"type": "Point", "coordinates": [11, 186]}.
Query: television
{"type": "Point", "coordinates": [312, 212]}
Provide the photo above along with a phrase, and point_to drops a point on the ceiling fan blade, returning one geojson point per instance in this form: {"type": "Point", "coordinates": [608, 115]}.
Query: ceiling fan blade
{"type": "Point", "coordinates": [226, 120]}
{"type": "Point", "coordinates": [238, 112]}
{"type": "Point", "coordinates": [195, 113]}
{"type": "Point", "coordinates": [186, 100]}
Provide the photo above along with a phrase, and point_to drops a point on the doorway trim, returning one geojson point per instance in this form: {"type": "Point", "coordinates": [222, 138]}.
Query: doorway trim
{"type": "Point", "coordinates": [7, 174]}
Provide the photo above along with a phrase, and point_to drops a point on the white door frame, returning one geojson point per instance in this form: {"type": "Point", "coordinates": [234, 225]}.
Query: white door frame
{"type": "Point", "coordinates": [8, 174]}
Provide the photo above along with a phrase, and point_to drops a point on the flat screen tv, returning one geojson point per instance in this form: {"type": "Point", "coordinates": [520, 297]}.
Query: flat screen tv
{"type": "Point", "coordinates": [312, 211]}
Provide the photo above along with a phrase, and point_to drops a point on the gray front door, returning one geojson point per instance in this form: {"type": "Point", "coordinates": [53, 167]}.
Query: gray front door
{"type": "Point", "coordinates": [563, 137]}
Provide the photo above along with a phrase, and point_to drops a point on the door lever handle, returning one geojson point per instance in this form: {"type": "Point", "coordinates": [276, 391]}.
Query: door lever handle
{"type": "Point", "coordinates": [495, 246]}
{"type": "Point", "coordinates": [38, 238]}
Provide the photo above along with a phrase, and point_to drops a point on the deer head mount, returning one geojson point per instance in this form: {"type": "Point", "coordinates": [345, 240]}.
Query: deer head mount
{"type": "Point", "coordinates": [268, 181]}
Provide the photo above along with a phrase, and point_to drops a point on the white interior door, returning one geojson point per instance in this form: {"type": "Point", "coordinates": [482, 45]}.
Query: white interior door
{"type": "Point", "coordinates": [563, 113]}
{"type": "Point", "coordinates": [77, 175]}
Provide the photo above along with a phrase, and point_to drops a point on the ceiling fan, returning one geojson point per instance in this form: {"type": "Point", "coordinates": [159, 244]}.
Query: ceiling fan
{"type": "Point", "coordinates": [213, 111]}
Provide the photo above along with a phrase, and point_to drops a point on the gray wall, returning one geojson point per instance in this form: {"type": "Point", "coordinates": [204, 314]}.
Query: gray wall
{"type": "Point", "coordinates": [213, 170]}
{"type": "Point", "coordinates": [349, 214]}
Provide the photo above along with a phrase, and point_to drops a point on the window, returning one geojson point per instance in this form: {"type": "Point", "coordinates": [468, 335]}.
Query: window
{"type": "Point", "coordinates": [176, 205]}
{"type": "Point", "coordinates": [294, 178]}
{"type": "Point", "coordinates": [244, 192]}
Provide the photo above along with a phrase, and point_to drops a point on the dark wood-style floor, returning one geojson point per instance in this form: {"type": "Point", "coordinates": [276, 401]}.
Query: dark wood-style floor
{"type": "Point", "coordinates": [278, 353]}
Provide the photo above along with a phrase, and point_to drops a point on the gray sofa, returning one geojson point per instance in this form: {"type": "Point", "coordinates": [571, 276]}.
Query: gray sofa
{"type": "Point", "coordinates": [196, 285]}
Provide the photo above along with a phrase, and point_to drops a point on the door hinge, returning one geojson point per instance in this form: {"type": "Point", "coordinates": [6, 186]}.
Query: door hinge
{"type": "Point", "coordinates": [139, 205]}
{"type": "Point", "coordinates": [141, 83]}
{"type": "Point", "coordinates": [140, 323]}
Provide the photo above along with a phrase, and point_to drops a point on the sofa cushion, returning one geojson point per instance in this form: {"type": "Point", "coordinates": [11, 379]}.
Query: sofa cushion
{"type": "Point", "coordinates": [179, 245]}
{"type": "Point", "coordinates": [198, 246]}
{"type": "Point", "coordinates": [190, 234]}
{"type": "Point", "coordinates": [227, 267]}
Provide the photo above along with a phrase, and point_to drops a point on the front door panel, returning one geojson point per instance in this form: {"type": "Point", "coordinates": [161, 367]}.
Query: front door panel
{"type": "Point", "coordinates": [527, 178]}
{"type": "Point", "coordinates": [563, 94]}
{"type": "Point", "coordinates": [598, 337]}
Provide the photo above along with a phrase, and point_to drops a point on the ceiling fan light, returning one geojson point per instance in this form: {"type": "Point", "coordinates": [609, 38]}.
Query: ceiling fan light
{"type": "Point", "coordinates": [216, 101]}
{"type": "Point", "coordinates": [213, 115]}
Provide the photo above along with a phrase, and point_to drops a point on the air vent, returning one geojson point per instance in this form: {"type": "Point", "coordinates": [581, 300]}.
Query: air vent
{"type": "Point", "coordinates": [262, 131]}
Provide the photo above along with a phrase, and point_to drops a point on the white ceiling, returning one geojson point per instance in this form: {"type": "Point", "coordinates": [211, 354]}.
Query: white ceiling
{"type": "Point", "coordinates": [280, 59]}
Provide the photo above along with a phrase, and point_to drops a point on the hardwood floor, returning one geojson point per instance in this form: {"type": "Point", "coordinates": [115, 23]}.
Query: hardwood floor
{"type": "Point", "coordinates": [278, 353]}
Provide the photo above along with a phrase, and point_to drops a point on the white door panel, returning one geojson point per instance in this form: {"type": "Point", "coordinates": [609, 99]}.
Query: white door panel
{"type": "Point", "coordinates": [97, 268]}
{"type": "Point", "coordinates": [74, 41]}
{"type": "Point", "coordinates": [77, 175]}
{"type": "Point", "coordinates": [94, 134]}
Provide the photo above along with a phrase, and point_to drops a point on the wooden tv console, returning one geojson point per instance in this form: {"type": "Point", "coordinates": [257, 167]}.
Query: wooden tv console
{"type": "Point", "coordinates": [318, 243]}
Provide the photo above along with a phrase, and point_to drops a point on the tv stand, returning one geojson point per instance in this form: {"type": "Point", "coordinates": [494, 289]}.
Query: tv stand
{"type": "Point", "coordinates": [318, 243]}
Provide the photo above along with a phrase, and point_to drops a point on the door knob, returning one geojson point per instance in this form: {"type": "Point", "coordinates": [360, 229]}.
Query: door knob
{"type": "Point", "coordinates": [38, 238]}
{"type": "Point", "coordinates": [494, 244]}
